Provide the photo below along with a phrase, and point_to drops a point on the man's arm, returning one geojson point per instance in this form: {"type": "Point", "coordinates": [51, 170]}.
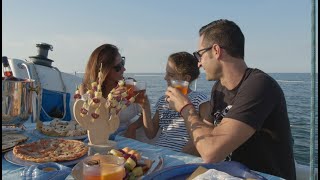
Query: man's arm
{"type": "Point", "coordinates": [213, 143]}
{"type": "Point", "coordinates": [190, 148]}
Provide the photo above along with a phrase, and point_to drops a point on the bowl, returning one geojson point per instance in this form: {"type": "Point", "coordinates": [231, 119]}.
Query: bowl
{"type": "Point", "coordinates": [51, 170]}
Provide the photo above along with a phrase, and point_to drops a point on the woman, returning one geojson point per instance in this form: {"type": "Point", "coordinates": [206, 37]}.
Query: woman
{"type": "Point", "coordinates": [113, 68]}
{"type": "Point", "coordinates": [180, 66]}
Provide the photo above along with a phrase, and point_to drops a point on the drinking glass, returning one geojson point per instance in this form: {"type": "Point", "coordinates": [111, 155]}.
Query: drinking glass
{"type": "Point", "coordinates": [129, 83]}
{"type": "Point", "coordinates": [139, 91]}
{"type": "Point", "coordinates": [103, 167]}
{"type": "Point", "coordinates": [181, 85]}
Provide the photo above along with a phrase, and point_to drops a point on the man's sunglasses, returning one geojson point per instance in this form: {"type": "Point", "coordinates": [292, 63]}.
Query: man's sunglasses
{"type": "Point", "coordinates": [119, 66]}
{"type": "Point", "coordinates": [198, 55]}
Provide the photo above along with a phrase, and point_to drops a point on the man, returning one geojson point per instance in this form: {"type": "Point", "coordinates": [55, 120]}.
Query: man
{"type": "Point", "coordinates": [248, 121]}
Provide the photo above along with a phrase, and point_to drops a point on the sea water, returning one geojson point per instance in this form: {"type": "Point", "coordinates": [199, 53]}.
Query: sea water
{"type": "Point", "coordinates": [297, 90]}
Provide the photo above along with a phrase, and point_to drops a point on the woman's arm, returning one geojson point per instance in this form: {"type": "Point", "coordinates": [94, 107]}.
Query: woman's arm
{"type": "Point", "coordinates": [150, 126]}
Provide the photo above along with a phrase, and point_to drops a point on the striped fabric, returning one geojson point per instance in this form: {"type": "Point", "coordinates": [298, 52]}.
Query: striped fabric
{"type": "Point", "coordinates": [173, 130]}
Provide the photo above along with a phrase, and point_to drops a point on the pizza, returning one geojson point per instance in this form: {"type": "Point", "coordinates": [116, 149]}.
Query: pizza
{"type": "Point", "coordinates": [10, 139]}
{"type": "Point", "coordinates": [59, 128]}
{"type": "Point", "coordinates": [51, 150]}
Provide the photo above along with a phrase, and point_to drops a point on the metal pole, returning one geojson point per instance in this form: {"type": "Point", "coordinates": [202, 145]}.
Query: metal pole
{"type": "Point", "coordinates": [313, 76]}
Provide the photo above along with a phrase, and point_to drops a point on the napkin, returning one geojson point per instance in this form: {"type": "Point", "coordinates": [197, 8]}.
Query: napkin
{"type": "Point", "coordinates": [213, 174]}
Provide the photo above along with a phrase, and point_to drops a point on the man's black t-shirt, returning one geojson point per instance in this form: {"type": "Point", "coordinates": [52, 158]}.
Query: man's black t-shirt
{"type": "Point", "coordinates": [258, 101]}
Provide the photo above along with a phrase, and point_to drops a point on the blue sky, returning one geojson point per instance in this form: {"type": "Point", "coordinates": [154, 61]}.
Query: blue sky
{"type": "Point", "coordinates": [278, 33]}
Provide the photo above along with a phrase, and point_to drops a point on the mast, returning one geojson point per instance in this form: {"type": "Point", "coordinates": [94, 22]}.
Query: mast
{"type": "Point", "coordinates": [313, 82]}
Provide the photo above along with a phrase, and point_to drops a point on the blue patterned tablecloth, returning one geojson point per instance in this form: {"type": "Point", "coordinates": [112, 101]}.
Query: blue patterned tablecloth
{"type": "Point", "coordinates": [170, 158]}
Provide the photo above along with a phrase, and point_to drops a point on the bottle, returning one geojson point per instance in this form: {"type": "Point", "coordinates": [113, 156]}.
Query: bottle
{"type": "Point", "coordinates": [8, 75]}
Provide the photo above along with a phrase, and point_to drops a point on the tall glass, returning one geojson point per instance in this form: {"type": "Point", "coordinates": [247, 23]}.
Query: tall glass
{"type": "Point", "coordinates": [103, 167]}
{"type": "Point", "coordinates": [129, 83]}
{"type": "Point", "coordinates": [139, 91]}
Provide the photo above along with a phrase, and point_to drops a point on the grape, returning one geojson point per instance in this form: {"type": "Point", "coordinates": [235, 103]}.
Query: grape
{"type": "Point", "coordinates": [126, 156]}
{"type": "Point", "coordinates": [123, 152]}
{"type": "Point", "coordinates": [77, 96]}
{"type": "Point", "coordinates": [133, 157]}
{"type": "Point", "coordinates": [83, 111]}
{"type": "Point", "coordinates": [118, 98]}
{"type": "Point", "coordinates": [127, 175]}
{"type": "Point", "coordinates": [96, 100]}
{"type": "Point", "coordinates": [95, 116]}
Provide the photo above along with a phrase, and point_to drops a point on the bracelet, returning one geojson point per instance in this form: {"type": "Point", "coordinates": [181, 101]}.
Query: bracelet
{"type": "Point", "coordinates": [184, 107]}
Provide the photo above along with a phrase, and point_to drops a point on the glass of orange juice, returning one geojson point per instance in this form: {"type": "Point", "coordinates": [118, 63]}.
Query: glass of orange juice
{"type": "Point", "coordinates": [181, 85]}
{"type": "Point", "coordinates": [103, 167]}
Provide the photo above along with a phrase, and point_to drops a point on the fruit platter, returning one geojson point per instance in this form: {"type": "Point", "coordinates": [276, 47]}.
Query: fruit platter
{"type": "Point", "coordinates": [137, 163]}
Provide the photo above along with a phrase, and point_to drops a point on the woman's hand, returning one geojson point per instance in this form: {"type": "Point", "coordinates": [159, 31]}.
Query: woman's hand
{"type": "Point", "coordinates": [144, 103]}
{"type": "Point", "coordinates": [176, 99]}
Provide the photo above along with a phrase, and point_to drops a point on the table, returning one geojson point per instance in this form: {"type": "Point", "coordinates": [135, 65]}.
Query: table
{"type": "Point", "coordinates": [170, 158]}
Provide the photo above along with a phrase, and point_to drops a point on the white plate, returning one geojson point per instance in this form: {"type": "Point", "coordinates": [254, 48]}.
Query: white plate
{"type": "Point", "coordinates": [37, 133]}
{"type": "Point", "coordinates": [13, 145]}
{"type": "Point", "coordinates": [156, 165]}
{"type": "Point", "coordinates": [10, 157]}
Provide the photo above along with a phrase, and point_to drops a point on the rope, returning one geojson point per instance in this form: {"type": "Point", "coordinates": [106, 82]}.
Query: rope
{"type": "Point", "coordinates": [313, 87]}
{"type": "Point", "coordinates": [64, 95]}
{"type": "Point", "coordinates": [35, 76]}
{"type": "Point", "coordinates": [63, 85]}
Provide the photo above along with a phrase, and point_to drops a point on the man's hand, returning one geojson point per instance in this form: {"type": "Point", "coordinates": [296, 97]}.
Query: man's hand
{"type": "Point", "coordinates": [189, 148]}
